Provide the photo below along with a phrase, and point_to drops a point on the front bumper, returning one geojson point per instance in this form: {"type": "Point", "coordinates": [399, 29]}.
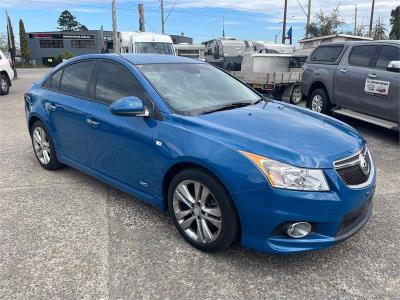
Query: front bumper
{"type": "Point", "coordinates": [335, 215]}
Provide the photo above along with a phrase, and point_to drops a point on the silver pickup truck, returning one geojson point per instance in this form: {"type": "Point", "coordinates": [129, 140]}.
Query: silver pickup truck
{"type": "Point", "coordinates": [356, 79]}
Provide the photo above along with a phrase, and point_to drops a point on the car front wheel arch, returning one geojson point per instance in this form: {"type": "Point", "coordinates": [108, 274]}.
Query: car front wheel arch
{"type": "Point", "coordinates": [181, 166]}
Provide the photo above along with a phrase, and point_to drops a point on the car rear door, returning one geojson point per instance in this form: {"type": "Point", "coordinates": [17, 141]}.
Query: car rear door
{"type": "Point", "coordinates": [350, 75]}
{"type": "Point", "coordinates": [380, 97]}
{"type": "Point", "coordinates": [120, 147]}
{"type": "Point", "coordinates": [67, 104]}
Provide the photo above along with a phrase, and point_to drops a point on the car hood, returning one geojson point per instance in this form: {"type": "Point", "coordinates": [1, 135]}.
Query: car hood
{"type": "Point", "coordinates": [280, 131]}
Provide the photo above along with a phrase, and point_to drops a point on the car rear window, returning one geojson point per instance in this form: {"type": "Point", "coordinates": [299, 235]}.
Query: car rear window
{"type": "Point", "coordinates": [76, 78]}
{"type": "Point", "coordinates": [362, 55]}
{"type": "Point", "coordinates": [326, 53]}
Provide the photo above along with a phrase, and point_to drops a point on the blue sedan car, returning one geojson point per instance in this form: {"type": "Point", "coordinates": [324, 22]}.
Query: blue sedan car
{"type": "Point", "coordinates": [187, 137]}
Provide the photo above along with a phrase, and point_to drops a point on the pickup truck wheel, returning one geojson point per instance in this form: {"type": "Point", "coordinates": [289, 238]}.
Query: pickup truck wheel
{"type": "Point", "coordinates": [320, 102]}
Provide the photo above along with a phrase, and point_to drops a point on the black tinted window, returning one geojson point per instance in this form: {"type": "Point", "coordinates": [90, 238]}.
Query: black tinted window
{"type": "Point", "coordinates": [388, 54]}
{"type": "Point", "coordinates": [76, 78]}
{"type": "Point", "coordinates": [325, 53]}
{"type": "Point", "coordinates": [362, 55]}
{"type": "Point", "coordinates": [54, 81]}
{"type": "Point", "coordinates": [115, 82]}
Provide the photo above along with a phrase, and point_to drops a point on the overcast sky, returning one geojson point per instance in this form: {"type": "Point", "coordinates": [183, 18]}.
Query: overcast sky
{"type": "Point", "coordinates": [200, 19]}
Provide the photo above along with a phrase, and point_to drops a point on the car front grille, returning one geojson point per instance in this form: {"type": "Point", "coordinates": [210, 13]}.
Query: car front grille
{"type": "Point", "coordinates": [355, 170]}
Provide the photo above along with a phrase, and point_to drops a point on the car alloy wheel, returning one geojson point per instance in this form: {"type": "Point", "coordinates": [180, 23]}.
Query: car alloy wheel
{"type": "Point", "coordinates": [41, 145]}
{"type": "Point", "coordinates": [317, 103]}
{"type": "Point", "coordinates": [197, 211]}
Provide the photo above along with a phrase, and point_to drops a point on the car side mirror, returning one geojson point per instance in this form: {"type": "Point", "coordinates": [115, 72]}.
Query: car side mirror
{"type": "Point", "coordinates": [394, 66]}
{"type": "Point", "coordinates": [129, 106]}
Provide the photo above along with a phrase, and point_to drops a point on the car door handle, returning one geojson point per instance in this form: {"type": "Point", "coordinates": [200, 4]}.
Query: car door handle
{"type": "Point", "coordinates": [343, 70]}
{"type": "Point", "coordinates": [51, 107]}
{"type": "Point", "coordinates": [372, 75]}
{"type": "Point", "coordinates": [91, 122]}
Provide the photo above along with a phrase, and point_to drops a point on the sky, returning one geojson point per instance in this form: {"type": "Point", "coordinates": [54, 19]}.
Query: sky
{"type": "Point", "coordinates": [200, 19]}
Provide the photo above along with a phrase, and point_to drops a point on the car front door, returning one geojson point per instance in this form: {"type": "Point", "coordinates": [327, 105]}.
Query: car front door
{"type": "Point", "coordinates": [350, 76]}
{"type": "Point", "coordinates": [120, 147]}
{"type": "Point", "coordinates": [381, 93]}
{"type": "Point", "coordinates": [67, 103]}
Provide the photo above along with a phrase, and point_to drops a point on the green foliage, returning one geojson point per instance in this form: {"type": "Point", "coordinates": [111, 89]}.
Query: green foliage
{"type": "Point", "coordinates": [379, 31]}
{"type": "Point", "coordinates": [3, 42]}
{"type": "Point", "coordinates": [11, 48]}
{"type": "Point", "coordinates": [395, 22]}
{"type": "Point", "coordinates": [23, 42]}
{"type": "Point", "coordinates": [63, 56]}
{"type": "Point", "coordinates": [68, 22]}
{"type": "Point", "coordinates": [325, 24]}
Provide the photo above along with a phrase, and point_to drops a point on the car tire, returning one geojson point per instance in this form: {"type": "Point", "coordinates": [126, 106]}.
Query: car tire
{"type": "Point", "coordinates": [4, 85]}
{"type": "Point", "coordinates": [296, 96]}
{"type": "Point", "coordinates": [212, 209]}
{"type": "Point", "coordinates": [43, 147]}
{"type": "Point", "coordinates": [319, 102]}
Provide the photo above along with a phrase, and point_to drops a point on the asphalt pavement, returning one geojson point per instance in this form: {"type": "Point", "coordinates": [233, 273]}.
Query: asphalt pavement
{"type": "Point", "coordinates": [66, 235]}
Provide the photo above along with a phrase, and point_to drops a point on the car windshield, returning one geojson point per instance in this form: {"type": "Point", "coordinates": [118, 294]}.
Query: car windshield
{"type": "Point", "coordinates": [154, 47]}
{"type": "Point", "coordinates": [192, 89]}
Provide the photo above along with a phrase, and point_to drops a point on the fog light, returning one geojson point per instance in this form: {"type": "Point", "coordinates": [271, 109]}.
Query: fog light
{"type": "Point", "coordinates": [298, 230]}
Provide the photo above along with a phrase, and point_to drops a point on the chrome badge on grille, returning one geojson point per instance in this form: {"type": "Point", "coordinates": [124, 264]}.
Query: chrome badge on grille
{"type": "Point", "coordinates": [364, 165]}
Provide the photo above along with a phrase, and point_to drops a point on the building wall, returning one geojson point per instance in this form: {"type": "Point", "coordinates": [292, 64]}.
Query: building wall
{"type": "Point", "coordinates": [40, 54]}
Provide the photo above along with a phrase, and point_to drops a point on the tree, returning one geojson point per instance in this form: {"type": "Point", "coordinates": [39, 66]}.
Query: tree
{"type": "Point", "coordinates": [379, 31]}
{"type": "Point", "coordinates": [395, 22]}
{"type": "Point", "coordinates": [68, 22]}
{"type": "Point", "coordinates": [23, 42]}
{"type": "Point", "coordinates": [82, 28]}
{"type": "Point", "coordinates": [3, 42]}
{"type": "Point", "coordinates": [325, 24]}
{"type": "Point", "coordinates": [11, 44]}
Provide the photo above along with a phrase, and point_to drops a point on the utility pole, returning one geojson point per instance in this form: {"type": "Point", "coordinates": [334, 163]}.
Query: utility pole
{"type": "Point", "coordinates": [355, 19]}
{"type": "Point", "coordinates": [223, 26]}
{"type": "Point", "coordinates": [372, 18]}
{"type": "Point", "coordinates": [114, 27]}
{"type": "Point", "coordinates": [308, 17]}
{"type": "Point", "coordinates": [162, 15]}
{"type": "Point", "coordinates": [141, 17]}
{"type": "Point", "coordinates": [284, 24]}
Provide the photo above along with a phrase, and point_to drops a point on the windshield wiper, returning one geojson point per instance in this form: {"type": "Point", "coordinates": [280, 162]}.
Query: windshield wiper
{"type": "Point", "coordinates": [229, 106]}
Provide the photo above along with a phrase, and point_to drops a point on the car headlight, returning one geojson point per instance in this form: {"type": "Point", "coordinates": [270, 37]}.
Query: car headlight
{"type": "Point", "coordinates": [285, 176]}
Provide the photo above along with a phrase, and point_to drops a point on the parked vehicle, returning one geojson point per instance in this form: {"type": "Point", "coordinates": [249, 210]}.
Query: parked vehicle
{"type": "Point", "coordinates": [190, 51]}
{"type": "Point", "coordinates": [6, 74]}
{"type": "Point", "coordinates": [356, 79]}
{"type": "Point", "coordinates": [187, 137]}
{"type": "Point", "coordinates": [275, 74]}
{"type": "Point", "coordinates": [146, 42]}
{"type": "Point", "coordinates": [227, 53]}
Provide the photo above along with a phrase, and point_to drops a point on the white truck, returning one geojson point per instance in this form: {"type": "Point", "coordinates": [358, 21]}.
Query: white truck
{"type": "Point", "coordinates": [146, 42]}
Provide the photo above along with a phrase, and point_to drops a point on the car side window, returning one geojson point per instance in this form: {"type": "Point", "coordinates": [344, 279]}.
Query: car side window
{"type": "Point", "coordinates": [53, 82]}
{"type": "Point", "coordinates": [388, 54]}
{"type": "Point", "coordinates": [115, 82]}
{"type": "Point", "coordinates": [76, 78]}
{"type": "Point", "coordinates": [362, 55]}
{"type": "Point", "coordinates": [326, 53]}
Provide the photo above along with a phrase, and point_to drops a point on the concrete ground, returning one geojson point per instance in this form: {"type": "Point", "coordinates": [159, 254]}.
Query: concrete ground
{"type": "Point", "coordinates": [66, 235]}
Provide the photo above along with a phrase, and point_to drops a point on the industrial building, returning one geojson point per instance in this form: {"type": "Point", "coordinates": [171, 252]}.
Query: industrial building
{"type": "Point", "coordinates": [46, 46]}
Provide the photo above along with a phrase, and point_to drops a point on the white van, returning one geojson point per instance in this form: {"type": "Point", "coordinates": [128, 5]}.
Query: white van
{"type": "Point", "coordinates": [146, 42]}
{"type": "Point", "coordinates": [6, 74]}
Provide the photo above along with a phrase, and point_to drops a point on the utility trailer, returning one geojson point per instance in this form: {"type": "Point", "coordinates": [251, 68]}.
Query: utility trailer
{"type": "Point", "coordinates": [274, 74]}
{"type": "Point", "coordinates": [283, 86]}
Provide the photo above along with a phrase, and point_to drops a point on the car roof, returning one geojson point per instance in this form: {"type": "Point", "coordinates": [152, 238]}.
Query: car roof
{"type": "Point", "coordinates": [348, 43]}
{"type": "Point", "coordinates": [143, 59]}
